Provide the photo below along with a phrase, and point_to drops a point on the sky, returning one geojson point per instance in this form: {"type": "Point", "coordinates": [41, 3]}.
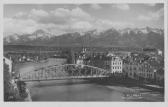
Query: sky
{"type": "Point", "coordinates": [64, 18]}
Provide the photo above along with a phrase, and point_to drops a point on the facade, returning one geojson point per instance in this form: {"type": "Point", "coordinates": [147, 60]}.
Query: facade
{"type": "Point", "coordinates": [131, 70]}
{"type": "Point", "coordinates": [147, 71]}
{"type": "Point", "coordinates": [137, 71]}
{"type": "Point", "coordinates": [9, 63]}
{"type": "Point", "coordinates": [113, 64]}
{"type": "Point", "coordinates": [80, 61]}
{"type": "Point", "coordinates": [116, 64]}
{"type": "Point", "coordinates": [160, 52]}
{"type": "Point", "coordinates": [56, 60]}
{"type": "Point", "coordinates": [159, 76]}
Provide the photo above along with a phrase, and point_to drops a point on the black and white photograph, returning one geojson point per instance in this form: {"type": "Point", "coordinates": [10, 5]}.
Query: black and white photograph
{"type": "Point", "coordinates": [84, 52]}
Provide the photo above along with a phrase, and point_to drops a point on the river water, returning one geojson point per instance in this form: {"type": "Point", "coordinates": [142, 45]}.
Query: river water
{"type": "Point", "coordinates": [82, 90]}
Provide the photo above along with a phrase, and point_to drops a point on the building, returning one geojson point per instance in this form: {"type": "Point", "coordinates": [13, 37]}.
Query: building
{"type": "Point", "coordinates": [146, 71]}
{"type": "Point", "coordinates": [80, 61]}
{"type": "Point", "coordinates": [111, 63]}
{"type": "Point", "coordinates": [56, 60]}
{"type": "Point", "coordinates": [144, 66]}
{"type": "Point", "coordinates": [159, 76]}
{"type": "Point", "coordinates": [121, 54]}
{"type": "Point", "coordinates": [159, 52]}
{"type": "Point", "coordinates": [8, 62]}
{"type": "Point", "coordinates": [131, 70]}
{"type": "Point", "coordinates": [139, 71]}
{"type": "Point", "coordinates": [116, 65]}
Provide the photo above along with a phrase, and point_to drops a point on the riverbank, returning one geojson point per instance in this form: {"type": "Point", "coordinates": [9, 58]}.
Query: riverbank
{"type": "Point", "coordinates": [127, 83]}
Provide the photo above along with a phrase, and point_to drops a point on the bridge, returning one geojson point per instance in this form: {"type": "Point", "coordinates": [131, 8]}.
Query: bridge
{"type": "Point", "coordinates": [66, 71]}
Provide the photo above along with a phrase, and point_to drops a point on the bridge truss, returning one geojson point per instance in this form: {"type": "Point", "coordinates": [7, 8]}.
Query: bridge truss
{"type": "Point", "coordinates": [67, 71]}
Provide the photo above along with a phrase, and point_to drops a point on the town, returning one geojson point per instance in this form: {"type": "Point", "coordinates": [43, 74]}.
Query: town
{"type": "Point", "coordinates": [144, 65]}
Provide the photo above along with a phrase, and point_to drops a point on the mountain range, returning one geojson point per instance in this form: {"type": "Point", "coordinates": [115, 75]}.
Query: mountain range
{"type": "Point", "coordinates": [130, 37]}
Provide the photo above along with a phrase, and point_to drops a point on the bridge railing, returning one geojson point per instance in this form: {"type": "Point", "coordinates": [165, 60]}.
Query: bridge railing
{"type": "Point", "coordinates": [66, 71]}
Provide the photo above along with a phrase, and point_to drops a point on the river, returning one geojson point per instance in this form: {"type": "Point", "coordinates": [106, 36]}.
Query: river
{"type": "Point", "coordinates": [82, 90]}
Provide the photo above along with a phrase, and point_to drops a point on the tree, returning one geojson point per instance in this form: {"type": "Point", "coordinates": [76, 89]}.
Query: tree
{"type": "Point", "coordinates": [9, 92]}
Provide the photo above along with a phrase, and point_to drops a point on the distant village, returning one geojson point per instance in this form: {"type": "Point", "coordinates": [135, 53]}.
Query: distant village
{"type": "Point", "coordinates": [140, 65]}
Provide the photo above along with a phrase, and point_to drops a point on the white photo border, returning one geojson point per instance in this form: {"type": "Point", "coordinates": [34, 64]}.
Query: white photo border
{"type": "Point", "coordinates": [85, 104]}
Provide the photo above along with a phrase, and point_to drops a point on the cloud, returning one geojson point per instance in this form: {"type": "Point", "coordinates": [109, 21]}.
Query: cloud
{"type": "Point", "coordinates": [82, 26]}
{"type": "Point", "coordinates": [95, 6]}
{"type": "Point", "coordinates": [122, 6]}
{"type": "Point", "coordinates": [19, 25]}
{"type": "Point", "coordinates": [144, 18]}
{"type": "Point", "coordinates": [20, 15]}
{"type": "Point", "coordinates": [58, 21]}
{"type": "Point", "coordinates": [151, 4]}
{"type": "Point", "coordinates": [156, 15]}
{"type": "Point", "coordinates": [61, 12]}
{"type": "Point", "coordinates": [36, 14]}
{"type": "Point", "coordinates": [79, 13]}
{"type": "Point", "coordinates": [74, 13]}
{"type": "Point", "coordinates": [102, 24]}
{"type": "Point", "coordinates": [63, 15]}
{"type": "Point", "coordinates": [152, 15]}
{"type": "Point", "coordinates": [28, 26]}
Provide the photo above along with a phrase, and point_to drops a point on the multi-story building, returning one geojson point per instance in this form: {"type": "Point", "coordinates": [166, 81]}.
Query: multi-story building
{"type": "Point", "coordinates": [159, 76]}
{"type": "Point", "coordinates": [140, 70]}
{"type": "Point", "coordinates": [80, 60]}
{"type": "Point", "coordinates": [131, 70]}
{"type": "Point", "coordinates": [116, 64]}
{"type": "Point", "coordinates": [113, 64]}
